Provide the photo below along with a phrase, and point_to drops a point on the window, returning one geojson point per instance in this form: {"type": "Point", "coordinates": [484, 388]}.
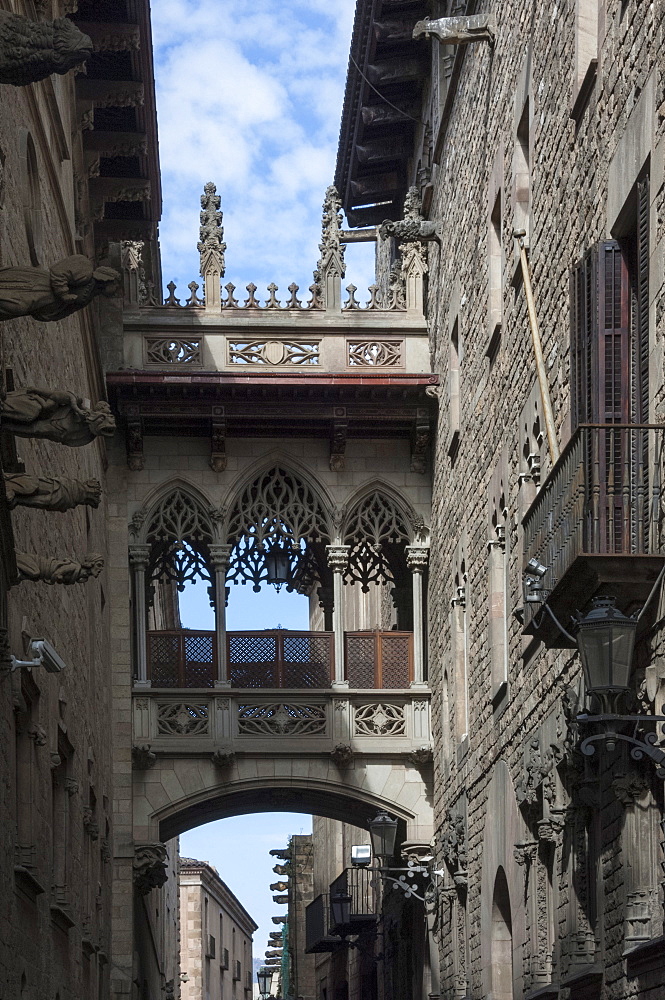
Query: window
{"type": "Point", "coordinates": [495, 257]}
{"type": "Point", "coordinates": [502, 940]}
{"type": "Point", "coordinates": [586, 54]}
{"type": "Point", "coordinates": [459, 650]}
{"type": "Point", "coordinates": [522, 173]}
{"type": "Point", "coordinates": [454, 390]}
{"type": "Point", "coordinates": [498, 561]}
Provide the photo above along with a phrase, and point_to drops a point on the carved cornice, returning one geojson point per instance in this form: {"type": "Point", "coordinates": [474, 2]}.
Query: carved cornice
{"type": "Point", "coordinates": [112, 37]}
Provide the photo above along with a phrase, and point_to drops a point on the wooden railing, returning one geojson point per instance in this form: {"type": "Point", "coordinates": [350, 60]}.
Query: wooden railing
{"type": "Point", "coordinates": [279, 658]}
{"type": "Point", "coordinates": [603, 497]}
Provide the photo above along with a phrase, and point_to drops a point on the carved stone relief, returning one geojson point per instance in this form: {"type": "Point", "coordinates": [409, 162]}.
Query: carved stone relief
{"type": "Point", "coordinates": [149, 867]}
{"type": "Point", "coordinates": [60, 571]}
{"type": "Point", "coordinates": [182, 719]}
{"type": "Point", "coordinates": [56, 416]}
{"type": "Point", "coordinates": [48, 493]}
{"type": "Point", "coordinates": [33, 50]}
{"type": "Point", "coordinates": [51, 295]}
{"type": "Point", "coordinates": [280, 719]}
{"type": "Point", "coordinates": [379, 720]}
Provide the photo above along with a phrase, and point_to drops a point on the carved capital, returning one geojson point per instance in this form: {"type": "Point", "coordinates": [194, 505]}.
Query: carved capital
{"type": "Point", "coordinates": [338, 557]}
{"type": "Point", "coordinates": [526, 853]}
{"type": "Point", "coordinates": [220, 556]}
{"type": "Point", "coordinates": [149, 867]}
{"type": "Point", "coordinates": [417, 557]}
{"type": "Point", "coordinates": [139, 557]}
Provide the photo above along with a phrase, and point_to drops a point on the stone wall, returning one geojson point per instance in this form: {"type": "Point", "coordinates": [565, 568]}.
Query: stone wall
{"type": "Point", "coordinates": [581, 177]}
{"type": "Point", "coordinates": [55, 752]}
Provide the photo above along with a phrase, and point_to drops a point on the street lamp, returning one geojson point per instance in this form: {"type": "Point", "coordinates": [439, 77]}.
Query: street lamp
{"type": "Point", "coordinates": [606, 639]}
{"type": "Point", "coordinates": [278, 564]}
{"type": "Point", "coordinates": [264, 979]}
{"type": "Point", "coordinates": [383, 831]}
{"type": "Point", "coordinates": [340, 908]}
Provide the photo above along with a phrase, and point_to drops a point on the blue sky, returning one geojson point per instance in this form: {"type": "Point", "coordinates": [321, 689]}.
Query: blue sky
{"type": "Point", "coordinates": [249, 96]}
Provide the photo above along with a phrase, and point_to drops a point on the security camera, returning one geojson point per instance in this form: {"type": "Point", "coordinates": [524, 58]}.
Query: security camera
{"type": "Point", "coordinates": [43, 655]}
{"type": "Point", "coordinates": [534, 568]}
{"type": "Point", "coordinates": [361, 855]}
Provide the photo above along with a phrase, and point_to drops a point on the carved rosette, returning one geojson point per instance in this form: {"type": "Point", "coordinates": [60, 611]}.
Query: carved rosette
{"type": "Point", "coordinates": [149, 867]}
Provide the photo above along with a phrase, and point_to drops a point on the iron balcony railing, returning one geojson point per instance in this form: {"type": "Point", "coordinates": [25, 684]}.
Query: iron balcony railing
{"type": "Point", "coordinates": [180, 658]}
{"type": "Point", "coordinates": [360, 884]}
{"type": "Point", "coordinates": [602, 498]}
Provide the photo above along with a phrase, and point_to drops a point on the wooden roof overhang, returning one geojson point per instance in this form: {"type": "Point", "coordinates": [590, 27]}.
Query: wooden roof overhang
{"type": "Point", "coordinates": [260, 405]}
{"type": "Point", "coordinates": [219, 405]}
{"type": "Point", "coordinates": [382, 107]}
{"type": "Point", "coordinates": [116, 103]}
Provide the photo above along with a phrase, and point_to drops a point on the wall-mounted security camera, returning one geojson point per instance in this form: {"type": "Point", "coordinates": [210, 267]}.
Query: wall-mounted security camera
{"type": "Point", "coordinates": [534, 592]}
{"type": "Point", "coordinates": [361, 855]}
{"type": "Point", "coordinates": [43, 655]}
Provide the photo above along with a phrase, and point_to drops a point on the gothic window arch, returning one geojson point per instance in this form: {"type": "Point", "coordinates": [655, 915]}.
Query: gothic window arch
{"type": "Point", "coordinates": [179, 533]}
{"type": "Point", "coordinates": [277, 507]}
{"type": "Point", "coordinates": [377, 533]}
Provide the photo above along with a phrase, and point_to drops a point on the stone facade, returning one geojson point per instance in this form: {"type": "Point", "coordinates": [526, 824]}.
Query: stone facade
{"type": "Point", "coordinates": [216, 936]}
{"type": "Point", "coordinates": [550, 128]}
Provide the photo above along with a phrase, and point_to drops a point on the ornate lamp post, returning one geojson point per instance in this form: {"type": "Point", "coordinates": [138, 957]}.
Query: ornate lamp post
{"type": "Point", "coordinates": [264, 979]}
{"type": "Point", "coordinates": [383, 831]}
{"type": "Point", "coordinates": [606, 639]}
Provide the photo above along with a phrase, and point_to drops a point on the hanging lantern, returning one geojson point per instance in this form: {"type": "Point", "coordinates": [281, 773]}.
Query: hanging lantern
{"type": "Point", "coordinates": [278, 564]}
{"type": "Point", "coordinates": [383, 831]}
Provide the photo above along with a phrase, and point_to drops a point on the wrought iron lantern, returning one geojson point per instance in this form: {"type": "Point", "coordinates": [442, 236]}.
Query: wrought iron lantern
{"type": "Point", "coordinates": [278, 564]}
{"type": "Point", "coordinates": [340, 908]}
{"type": "Point", "coordinates": [264, 979]}
{"type": "Point", "coordinates": [606, 640]}
{"type": "Point", "coordinates": [383, 831]}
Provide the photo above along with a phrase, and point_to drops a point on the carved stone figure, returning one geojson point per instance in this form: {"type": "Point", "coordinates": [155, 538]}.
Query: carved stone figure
{"type": "Point", "coordinates": [225, 757]}
{"type": "Point", "coordinates": [142, 757]}
{"type": "Point", "coordinates": [53, 570]}
{"type": "Point", "coordinates": [32, 50]}
{"type": "Point", "coordinates": [412, 227]}
{"type": "Point", "coordinates": [342, 754]}
{"type": "Point", "coordinates": [56, 415]}
{"type": "Point", "coordinates": [51, 295]}
{"type": "Point", "coordinates": [149, 867]}
{"type": "Point", "coordinates": [457, 30]}
{"type": "Point", "coordinates": [50, 493]}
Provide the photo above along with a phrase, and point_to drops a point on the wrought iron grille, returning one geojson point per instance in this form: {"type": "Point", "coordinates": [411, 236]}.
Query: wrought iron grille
{"type": "Point", "coordinates": [379, 659]}
{"type": "Point", "coordinates": [359, 883]}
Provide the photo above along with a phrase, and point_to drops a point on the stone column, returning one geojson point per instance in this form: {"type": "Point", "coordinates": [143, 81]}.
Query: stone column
{"type": "Point", "coordinates": [219, 558]}
{"type": "Point", "coordinates": [338, 557]}
{"type": "Point", "coordinates": [416, 560]}
{"type": "Point", "coordinates": [138, 560]}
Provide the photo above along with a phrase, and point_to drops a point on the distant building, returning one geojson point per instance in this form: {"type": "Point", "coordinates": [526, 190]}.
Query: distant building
{"type": "Point", "coordinates": [215, 937]}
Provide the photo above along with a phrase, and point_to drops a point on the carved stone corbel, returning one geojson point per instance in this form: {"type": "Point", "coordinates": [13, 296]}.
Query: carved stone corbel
{"type": "Point", "coordinates": [60, 571]}
{"type": "Point", "coordinates": [338, 439]}
{"type": "Point", "coordinates": [224, 757]}
{"type": "Point", "coordinates": [420, 441]}
{"type": "Point", "coordinates": [342, 755]}
{"type": "Point", "coordinates": [149, 867]}
{"type": "Point", "coordinates": [142, 757]}
{"type": "Point", "coordinates": [135, 456]}
{"type": "Point", "coordinates": [218, 440]}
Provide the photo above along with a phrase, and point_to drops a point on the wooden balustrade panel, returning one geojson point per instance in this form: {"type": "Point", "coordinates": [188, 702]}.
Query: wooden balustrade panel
{"type": "Point", "coordinates": [164, 659]}
{"type": "Point", "coordinates": [252, 659]}
{"type": "Point", "coordinates": [378, 660]}
{"type": "Point", "coordinates": [182, 659]}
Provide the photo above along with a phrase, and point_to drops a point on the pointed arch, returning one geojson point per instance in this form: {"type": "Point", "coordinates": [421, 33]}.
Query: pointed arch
{"type": "Point", "coordinates": [277, 507]}
{"type": "Point", "coordinates": [377, 528]}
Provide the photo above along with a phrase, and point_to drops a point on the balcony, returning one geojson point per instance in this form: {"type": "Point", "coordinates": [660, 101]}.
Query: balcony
{"type": "Point", "coordinates": [596, 524]}
{"type": "Point", "coordinates": [280, 659]}
{"type": "Point", "coordinates": [318, 934]}
{"type": "Point", "coordinates": [359, 883]}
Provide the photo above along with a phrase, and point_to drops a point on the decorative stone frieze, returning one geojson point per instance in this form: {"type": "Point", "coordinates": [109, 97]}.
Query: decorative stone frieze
{"type": "Point", "coordinates": [379, 720]}
{"type": "Point", "coordinates": [149, 867]}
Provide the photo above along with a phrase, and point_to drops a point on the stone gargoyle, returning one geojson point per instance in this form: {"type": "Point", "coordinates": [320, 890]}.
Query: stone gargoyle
{"type": "Point", "coordinates": [53, 570]}
{"type": "Point", "coordinates": [32, 50]}
{"type": "Point", "coordinates": [50, 493]}
{"type": "Point", "coordinates": [457, 30]}
{"type": "Point", "coordinates": [55, 415]}
{"type": "Point", "coordinates": [412, 227]}
{"type": "Point", "coordinates": [51, 295]}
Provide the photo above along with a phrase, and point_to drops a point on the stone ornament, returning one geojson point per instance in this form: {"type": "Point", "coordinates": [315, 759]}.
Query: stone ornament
{"type": "Point", "coordinates": [51, 295]}
{"type": "Point", "coordinates": [50, 493]}
{"type": "Point", "coordinates": [422, 756]}
{"type": "Point", "coordinates": [33, 50]}
{"type": "Point", "coordinates": [342, 755]}
{"type": "Point", "coordinates": [211, 244]}
{"type": "Point", "coordinates": [149, 867]}
{"type": "Point", "coordinates": [56, 416]}
{"type": "Point", "coordinates": [54, 570]}
{"type": "Point", "coordinates": [457, 30]}
{"type": "Point", "coordinates": [224, 757]}
{"type": "Point", "coordinates": [413, 227]}
{"type": "Point", "coordinates": [142, 757]}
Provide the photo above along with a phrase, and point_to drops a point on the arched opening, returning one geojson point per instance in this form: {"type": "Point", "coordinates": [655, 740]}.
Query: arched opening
{"type": "Point", "coordinates": [502, 940]}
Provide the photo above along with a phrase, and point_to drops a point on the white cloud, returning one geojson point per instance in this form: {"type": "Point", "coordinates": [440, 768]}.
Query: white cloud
{"type": "Point", "coordinates": [250, 99]}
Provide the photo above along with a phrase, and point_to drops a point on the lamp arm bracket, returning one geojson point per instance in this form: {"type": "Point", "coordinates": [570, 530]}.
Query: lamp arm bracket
{"type": "Point", "coordinates": [619, 718]}
{"type": "Point", "coordinates": [640, 748]}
